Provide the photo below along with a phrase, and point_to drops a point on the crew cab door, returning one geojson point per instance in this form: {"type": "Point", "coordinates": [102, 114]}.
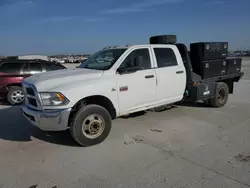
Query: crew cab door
{"type": "Point", "coordinates": [136, 84]}
{"type": "Point", "coordinates": [171, 74]}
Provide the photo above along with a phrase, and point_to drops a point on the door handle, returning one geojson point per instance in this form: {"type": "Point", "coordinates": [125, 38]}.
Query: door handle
{"type": "Point", "coordinates": [149, 76]}
{"type": "Point", "coordinates": [179, 72]}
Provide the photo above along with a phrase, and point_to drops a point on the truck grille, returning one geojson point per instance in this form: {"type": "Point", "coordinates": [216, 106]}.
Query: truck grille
{"type": "Point", "coordinates": [32, 101]}
{"type": "Point", "coordinates": [32, 98]}
{"type": "Point", "coordinates": [30, 91]}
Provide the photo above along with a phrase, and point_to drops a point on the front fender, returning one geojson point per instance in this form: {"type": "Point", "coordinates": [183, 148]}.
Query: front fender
{"type": "Point", "coordinates": [75, 93]}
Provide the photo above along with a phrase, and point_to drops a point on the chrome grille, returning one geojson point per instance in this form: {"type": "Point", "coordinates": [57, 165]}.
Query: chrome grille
{"type": "Point", "coordinates": [32, 99]}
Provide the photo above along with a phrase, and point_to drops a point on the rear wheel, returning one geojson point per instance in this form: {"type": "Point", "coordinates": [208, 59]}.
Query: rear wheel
{"type": "Point", "coordinates": [91, 125]}
{"type": "Point", "coordinates": [15, 95]}
{"type": "Point", "coordinates": [221, 95]}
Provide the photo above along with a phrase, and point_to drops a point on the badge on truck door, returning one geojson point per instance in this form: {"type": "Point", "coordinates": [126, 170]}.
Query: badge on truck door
{"type": "Point", "coordinates": [123, 88]}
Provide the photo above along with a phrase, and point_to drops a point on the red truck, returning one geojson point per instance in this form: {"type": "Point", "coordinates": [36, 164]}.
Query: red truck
{"type": "Point", "coordinates": [12, 73]}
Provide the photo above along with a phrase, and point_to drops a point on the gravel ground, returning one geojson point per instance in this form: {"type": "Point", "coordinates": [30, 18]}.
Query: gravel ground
{"type": "Point", "coordinates": [186, 146]}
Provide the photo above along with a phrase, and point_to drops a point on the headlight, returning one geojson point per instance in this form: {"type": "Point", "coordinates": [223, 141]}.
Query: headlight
{"type": "Point", "coordinates": [53, 99]}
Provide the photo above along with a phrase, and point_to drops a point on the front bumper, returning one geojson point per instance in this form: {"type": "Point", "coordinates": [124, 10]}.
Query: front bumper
{"type": "Point", "coordinates": [48, 120]}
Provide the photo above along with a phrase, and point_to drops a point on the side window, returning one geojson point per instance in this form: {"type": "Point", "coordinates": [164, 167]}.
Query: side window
{"type": "Point", "coordinates": [35, 67]}
{"type": "Point", "coordinates": [48, 67]}
{"type": "Point", "coordinates": [129, 61]}
{"type": "Point", "coordinates": [12, 68]}
{"type": "Point", "coordinates": [25, 68]}
{"type": "Point", "coordinates": [165, 57]}
{"type": "Point", "coordinates": [53, 66]}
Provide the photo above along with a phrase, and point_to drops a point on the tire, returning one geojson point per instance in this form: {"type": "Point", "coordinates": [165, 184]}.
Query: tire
{"type": "Point", "coordinates": [87, 120]}
{"type": "Point", "coordinates": [163, 39]}
{"type": "Point", "coordinates": [15, 95]}
{"type": "Point", "coordinates": [221, 95]}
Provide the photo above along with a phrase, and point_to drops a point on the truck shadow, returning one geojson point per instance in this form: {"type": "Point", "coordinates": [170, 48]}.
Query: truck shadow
{"type": "Point", "coordinates": [142, 113]}
{"type": "Point", "coordinates": [3, 102]}
{"type": "Point", "coordinates": [194, 105]}
{"type": "Point", "coordinates": [134, 115]}
{"type": "Point", "coordinates": [14, 127]}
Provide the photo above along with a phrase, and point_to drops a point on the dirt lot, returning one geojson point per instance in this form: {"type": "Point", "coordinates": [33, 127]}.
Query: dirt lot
{"type": "Point", "coordinates": [187, 146]}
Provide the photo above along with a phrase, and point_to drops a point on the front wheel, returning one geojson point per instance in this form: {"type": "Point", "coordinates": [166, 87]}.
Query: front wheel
{"type": "Point", "coordinates": [91, 125]}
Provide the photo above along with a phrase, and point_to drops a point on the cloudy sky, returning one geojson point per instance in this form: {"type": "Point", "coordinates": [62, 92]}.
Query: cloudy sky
{"type": "Point", "coordinates": [84, 26]}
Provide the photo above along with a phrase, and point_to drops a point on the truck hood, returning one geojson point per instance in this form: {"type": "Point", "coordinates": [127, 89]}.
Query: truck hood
{"type": "Point", "coordinates": [59, 78]}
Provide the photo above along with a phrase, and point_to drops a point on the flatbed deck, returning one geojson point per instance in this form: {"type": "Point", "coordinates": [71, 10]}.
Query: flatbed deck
{"type": "Point", "coordinates": [203, 89]}
{"type": "Point", "coordinates": [236, 77]}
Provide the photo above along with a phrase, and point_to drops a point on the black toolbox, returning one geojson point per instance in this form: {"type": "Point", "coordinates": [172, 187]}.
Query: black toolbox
{"type": "Point", "coordinates": [234, 65]}
{"type": "Point", "coordinates": [211, 68]}
{"type": "Point", "coordinates": [204, 51]}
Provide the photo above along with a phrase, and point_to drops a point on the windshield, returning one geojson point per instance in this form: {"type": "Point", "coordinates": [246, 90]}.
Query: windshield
{"type": "Point", "coordinates": [102, 60]}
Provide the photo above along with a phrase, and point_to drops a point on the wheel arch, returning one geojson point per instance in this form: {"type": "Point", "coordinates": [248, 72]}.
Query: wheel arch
{"type": "Point", "coordinates": [14, 84]}
{"type": "Point", "coordinates": [95, 99]}
{"type": "Point", "coordinates": [230, 85]}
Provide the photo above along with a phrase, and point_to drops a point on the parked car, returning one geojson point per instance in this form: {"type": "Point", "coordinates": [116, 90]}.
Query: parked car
{"type": "Point", "coordinates": [122, 80]}
{"type": "Point", "coordinates": [12, 73]}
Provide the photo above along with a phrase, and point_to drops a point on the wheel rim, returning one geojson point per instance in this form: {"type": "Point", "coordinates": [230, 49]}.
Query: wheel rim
{"type": "Point", "coordinates": [17, 96]}
{"type": "Point", "coordinates": [221, 95]}
{"type": "Point", "coordinates": [93, 126]}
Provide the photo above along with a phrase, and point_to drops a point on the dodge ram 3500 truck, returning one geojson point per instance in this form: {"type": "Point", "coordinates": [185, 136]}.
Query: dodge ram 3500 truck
{"type": "Point", "coordinates": [117, 81]}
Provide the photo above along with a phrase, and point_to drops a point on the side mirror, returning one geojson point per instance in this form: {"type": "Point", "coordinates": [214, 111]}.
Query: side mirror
{"type": "Point", "coordinates": [128, 70]}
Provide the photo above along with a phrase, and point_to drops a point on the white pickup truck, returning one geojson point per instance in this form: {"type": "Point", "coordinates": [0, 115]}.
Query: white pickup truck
{"type": "Point", "coordinates": [117, 81]}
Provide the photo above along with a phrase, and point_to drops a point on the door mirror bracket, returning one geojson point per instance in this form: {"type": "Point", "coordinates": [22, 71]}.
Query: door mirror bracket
{"type": "Point", "coordinates": [128, 70]}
